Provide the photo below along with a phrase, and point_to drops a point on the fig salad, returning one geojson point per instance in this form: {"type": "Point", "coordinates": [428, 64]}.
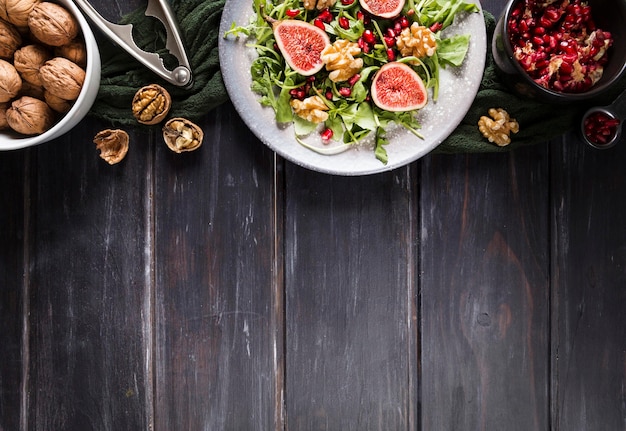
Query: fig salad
{"type": "Point", "coordinates": [348, 69]}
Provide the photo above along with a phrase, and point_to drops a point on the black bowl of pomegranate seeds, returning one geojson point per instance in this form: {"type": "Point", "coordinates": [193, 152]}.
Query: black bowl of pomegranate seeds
{"type": "Point", "coordinates": [561, 50]}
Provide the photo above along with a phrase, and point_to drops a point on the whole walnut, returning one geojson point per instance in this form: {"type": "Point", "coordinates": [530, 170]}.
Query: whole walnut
{"type": "Point", "coordinates": [75, 51]}
{"type": "Point", "coordinates": [10, 81]}
{"type": "Point", "coordinates": [3, 116]}
{"type": "Point", "coordinates": [17, 11]}
{"type": "Point", "coordinates": [56, 103]}
{"type": "Point", "coordinates": [32, 90]}
{"type": "Point", "coordinates": [28, 60]}
{"type": "Point", "coordinates": [62, 78]}
{"type": "Point", "coordinates": [52, 24]}
{"type": "Point", "coordinates": [30, 116]}
{"type": "Point", "coordinates": [10, 39]}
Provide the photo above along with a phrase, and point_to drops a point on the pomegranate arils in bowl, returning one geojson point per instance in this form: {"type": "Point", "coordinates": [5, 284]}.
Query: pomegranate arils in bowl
{"type": "Point", "coordinates": [561, 50]}
{"type": "Point", "coordinates": [559, 45]}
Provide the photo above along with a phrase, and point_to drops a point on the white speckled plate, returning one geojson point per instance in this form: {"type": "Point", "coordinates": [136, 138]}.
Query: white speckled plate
{"type": "Point", "coordinates": [458, 87]}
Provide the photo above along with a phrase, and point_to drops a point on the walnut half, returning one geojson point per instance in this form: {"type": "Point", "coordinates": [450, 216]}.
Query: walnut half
{"type": "Point", "coordinates": [182, 135]}
{"type": "Point", "coordinates": [113, 145]}
{"type": "Point", "coordinates": [151, 104]}
{"type": "Point", "coordinates": [499, 127]}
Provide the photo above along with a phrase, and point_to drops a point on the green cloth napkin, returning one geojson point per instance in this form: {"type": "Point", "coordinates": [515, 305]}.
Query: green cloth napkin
{"type": "Point", "coordinates": [199, 22]}
{"type": "Point", "coordinates": [122, 75]}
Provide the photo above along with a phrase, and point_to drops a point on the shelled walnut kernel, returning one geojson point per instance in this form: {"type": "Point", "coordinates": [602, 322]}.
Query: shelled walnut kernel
{"type": "Point", "coordinates": [499, 127]}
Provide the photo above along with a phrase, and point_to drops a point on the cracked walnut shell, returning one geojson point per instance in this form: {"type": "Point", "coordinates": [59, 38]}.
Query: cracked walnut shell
{"type": "Point", "coordinates": [52, 24]}
{"type": "Point", "coordinates": [30, 116]}
{"type": "Point", "coordinates": [62, 78]}
{"type": "Point", "coordinates": [182, 135]}
{"type": "Point", "coordinates": [113, 145]}
{"type": "Point", "coordinates": [151, 104]}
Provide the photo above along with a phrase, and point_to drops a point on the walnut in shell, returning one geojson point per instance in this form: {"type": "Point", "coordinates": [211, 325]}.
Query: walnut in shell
{"type": "Point", "coordinates": [182, 135]}
{"type": "Point", "coordinates": [3, 116]}
{"type": "Point", "coordinates": [62, 78]}
{"type": "Point", "coordinates": [17, 11]}
{"type": "Point", "coordinates": [10, 81]}
{"type": "Point", "coordinates": [113, 145]}
{"type": "Point", "coordinates": [30, 116]}
{"type": "Point", "coordinates": [10, 40]}
{"type": "Point", "coordinates": [57, 104]}
{"type": "Point", "coordinates": [151, 104]}
{"type": "Point", "coordinates": [75, 51]}
{"type": "Point", "coordinates": [32, 90]}
{"type": "Point", "coordinates": [28, 60]}
{"type": "Point", "coordinates": [52, 24]}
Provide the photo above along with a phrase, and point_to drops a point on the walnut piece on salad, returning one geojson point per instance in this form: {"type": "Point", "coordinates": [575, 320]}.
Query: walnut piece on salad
{"type": "Point", "coordinates": [417, 41]}
{"type": "Point", "coordinates": [312, 109]}
{"type": "Point", "coordinates": [340, 61]}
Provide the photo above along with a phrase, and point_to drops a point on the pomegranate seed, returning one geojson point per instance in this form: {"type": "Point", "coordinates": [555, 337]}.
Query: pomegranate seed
{"type": "Point", "coordinates": [600, 128]}
{"type": "Point", "coordinates": [326, 135]}
{"type": "Point", "coordinates": [292, 13]}
{"type": "Point", "coordinates": [391, 54]}
{"type": "Point", "coordinates": [347, 2]}
{"type": "Point", "coordinates": [403, 21]}
{"type": "Point", "coordinates": [328, 94]}
{"type": "Point", "coordinates": [344, 22]}
{"type": "Point", "coordinates": [369, 37]}
{"type": "Point", "coordinates": [390, 41]}
{"type": "Point", "coordinates": [436, 27]}
{"type": "Point", "coordinates": [326, 16]}
{"type": "Point", "coordinates": [353, 80]}
{"type": "Point", "coordinates": [319, 24]}
{"type": "Point", "coordinates": [345, 91]}
{"type": "Point", "coordinates": [363, 45]}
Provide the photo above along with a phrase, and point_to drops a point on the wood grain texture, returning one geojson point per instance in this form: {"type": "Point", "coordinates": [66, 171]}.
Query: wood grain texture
{"type": "Point", "coordinates": [217, 339]}
{"type": "Point", "coordinates": [484, 292]}
{"type": "Point", "coordinates": [350, 312]}
{"type": "Point", "coordinates": [89, 288]}
{"type": "Point", "coordinates": [589, 297]}
{"type": "Point", "coordinates": [12, 284]}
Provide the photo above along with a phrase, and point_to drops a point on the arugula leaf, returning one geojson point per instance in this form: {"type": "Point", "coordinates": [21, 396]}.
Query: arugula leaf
{"type": "Point", "coordinates": [379, 150]}
{"type": "Point", "coordinates": [452, 51]}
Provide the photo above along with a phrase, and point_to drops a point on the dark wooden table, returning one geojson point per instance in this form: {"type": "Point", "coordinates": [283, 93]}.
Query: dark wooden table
{"type": "Point", "coordinates": [228, 289]}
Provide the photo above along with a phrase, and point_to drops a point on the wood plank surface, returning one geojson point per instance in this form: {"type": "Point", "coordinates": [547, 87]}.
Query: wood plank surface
{"type": "Point", "coordinates": [13, 281]}
{"type": "Point", "coordinates": [485, 291]}
{"type": "Point", "coordinates": [350, 285]}
{"type": "Point", "coordinates": [589, 295]}
{"type": "Point", "coordinates": [89, 291]}
{"type": "Point", "coordinates": [227, 289]}
{"type": "Point", "coordinates": [218, 339]}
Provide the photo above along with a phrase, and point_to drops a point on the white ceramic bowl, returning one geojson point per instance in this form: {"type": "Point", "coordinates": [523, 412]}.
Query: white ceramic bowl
{"type": "Point", "coordinates": [12, 141]}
